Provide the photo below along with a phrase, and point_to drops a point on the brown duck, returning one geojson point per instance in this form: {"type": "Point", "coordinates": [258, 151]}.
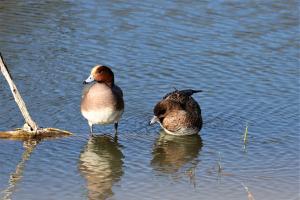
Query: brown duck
{"type": "Point", "coordinates": [178, 113]}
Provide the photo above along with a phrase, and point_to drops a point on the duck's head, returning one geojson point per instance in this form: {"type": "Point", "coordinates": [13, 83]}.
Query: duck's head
{"type": "Point", "coordinates": [162, 109]}
{"type": "Point", "coordinates": [159, 113]}
{"type": "Point", "coordinates": [101, 74]}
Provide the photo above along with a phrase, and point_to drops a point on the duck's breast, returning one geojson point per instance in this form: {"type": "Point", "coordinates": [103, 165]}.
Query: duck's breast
{"type": "Point", "coordinates": [98, 96]}
{"type": "Point", "coordinates": [181, 122]}
{"type": "Point", "coordinates": [101, 105]}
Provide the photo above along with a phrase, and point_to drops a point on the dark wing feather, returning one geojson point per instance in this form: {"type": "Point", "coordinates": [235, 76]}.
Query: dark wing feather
{"type": "Point", "coordinates": [180, 97]}
{"type": "Point", "coordinates": [188, 92]}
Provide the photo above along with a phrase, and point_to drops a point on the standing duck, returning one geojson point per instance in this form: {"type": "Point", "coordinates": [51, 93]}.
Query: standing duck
{"type": "Point", "coordinates": [178, 113]}
{"type": "Point", "coordinates": [102, 100]}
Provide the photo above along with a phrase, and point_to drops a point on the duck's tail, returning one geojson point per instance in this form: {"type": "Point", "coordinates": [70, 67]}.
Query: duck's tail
{"type": "Point", "coordinates": [189, 92]}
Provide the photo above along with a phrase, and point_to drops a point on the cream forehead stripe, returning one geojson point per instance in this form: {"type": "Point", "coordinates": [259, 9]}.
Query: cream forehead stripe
{"type": "Point", "coordinates": [95, 68]}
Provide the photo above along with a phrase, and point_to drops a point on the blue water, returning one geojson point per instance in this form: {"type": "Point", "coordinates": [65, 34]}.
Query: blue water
{"type": "Point", "coordinates": [244, 55]}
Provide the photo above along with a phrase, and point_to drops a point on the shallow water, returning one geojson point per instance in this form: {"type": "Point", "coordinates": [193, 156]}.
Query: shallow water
{"type": "Point", "coordinates": [244, 55]}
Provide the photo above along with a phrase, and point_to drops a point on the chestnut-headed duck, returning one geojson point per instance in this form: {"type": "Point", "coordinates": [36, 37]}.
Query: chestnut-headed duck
{"type": "Point", "coordinates": [102, 100]}
{"type": "Point", "coordinates": [178, 113]}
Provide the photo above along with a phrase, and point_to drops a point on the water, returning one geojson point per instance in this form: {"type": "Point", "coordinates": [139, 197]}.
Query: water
{"type": "Point", "coordinates": [243, 54]}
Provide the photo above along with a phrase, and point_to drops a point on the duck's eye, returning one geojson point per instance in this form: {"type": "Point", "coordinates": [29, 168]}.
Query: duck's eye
{"type": "Point", "coordinates": [161, 112]}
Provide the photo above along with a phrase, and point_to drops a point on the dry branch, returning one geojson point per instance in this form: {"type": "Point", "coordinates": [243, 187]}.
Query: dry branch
{"type": "Point", "coordinates": [30, 128]}
{"type": "Point", "coordinates": [33, 126]}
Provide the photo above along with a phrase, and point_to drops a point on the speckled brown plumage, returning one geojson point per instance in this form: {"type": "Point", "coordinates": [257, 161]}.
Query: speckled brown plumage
{"type": "Point", "coordinates": [178, 111]}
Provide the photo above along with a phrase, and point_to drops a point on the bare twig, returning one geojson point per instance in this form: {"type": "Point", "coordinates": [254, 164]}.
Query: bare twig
{"type": "Point", "coordinates": [33, 126]}
{"type": "Point", "coordinates": [219, 164]}
{"type": "Point", "coordinates": [30, 129]}
{"type": "Point", "coordinates": [246, 134]}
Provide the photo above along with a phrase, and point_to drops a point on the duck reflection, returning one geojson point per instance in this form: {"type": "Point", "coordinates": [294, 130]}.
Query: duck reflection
{"type": "Point", "coordinates": [171, 153]}
{"type": "Point", "coordinates": [101, 165]}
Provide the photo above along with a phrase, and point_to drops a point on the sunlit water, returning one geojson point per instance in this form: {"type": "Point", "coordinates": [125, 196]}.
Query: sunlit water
{"type": "Point", "coordinates": [244, 55]}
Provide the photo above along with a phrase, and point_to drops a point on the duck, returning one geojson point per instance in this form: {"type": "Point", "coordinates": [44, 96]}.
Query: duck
{"type": "Point", "coordinates": [178, 113]}
{"type": "Point", "coordinates": [102, 100]}
{"type": "Point", "coordinates": [101, 165]}
{"type": "Point", "coordinates": [171, 153]}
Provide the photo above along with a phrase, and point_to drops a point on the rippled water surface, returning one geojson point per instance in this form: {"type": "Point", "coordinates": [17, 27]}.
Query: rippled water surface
{"type": "Point", "coordinates": [244, 55]}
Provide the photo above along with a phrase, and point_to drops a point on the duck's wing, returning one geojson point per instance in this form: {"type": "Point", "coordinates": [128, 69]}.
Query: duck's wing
{"type": "Point", "coordinates": [119, 97]}
{"type": "Point", "coordinates": [181, 97]}
{"type": "Point", "coordinates": [118, 90]}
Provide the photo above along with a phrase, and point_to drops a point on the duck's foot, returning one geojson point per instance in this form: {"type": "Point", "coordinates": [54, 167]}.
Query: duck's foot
{"type": "Point", "coordinates": [92, 135]}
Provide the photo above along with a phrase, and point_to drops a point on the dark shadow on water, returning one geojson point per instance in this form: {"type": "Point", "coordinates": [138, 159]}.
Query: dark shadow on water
{"type": "Point", "coordinates": [101, 164]}
{"type": "Point", "coordinates": [173, 153]}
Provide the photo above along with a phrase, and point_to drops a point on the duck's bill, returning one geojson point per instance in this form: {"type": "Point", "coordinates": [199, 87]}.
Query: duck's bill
{"type": "Point", "coordinates": [88, 80]}
{"type": "Point", "coordinates": [153, 120]}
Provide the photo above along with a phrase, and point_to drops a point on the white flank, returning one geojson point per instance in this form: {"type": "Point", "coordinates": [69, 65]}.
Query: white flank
{"type": "Point", "coordinates": [105, 116]}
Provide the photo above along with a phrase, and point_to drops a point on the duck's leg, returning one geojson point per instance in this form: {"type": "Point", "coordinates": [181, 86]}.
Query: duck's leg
{"type": "Point", "coordinates": [116, 128]}
{"type": "Point", "coordinates": [116, 138]}
{"type": "Point", "coordinates": [91, 129]}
